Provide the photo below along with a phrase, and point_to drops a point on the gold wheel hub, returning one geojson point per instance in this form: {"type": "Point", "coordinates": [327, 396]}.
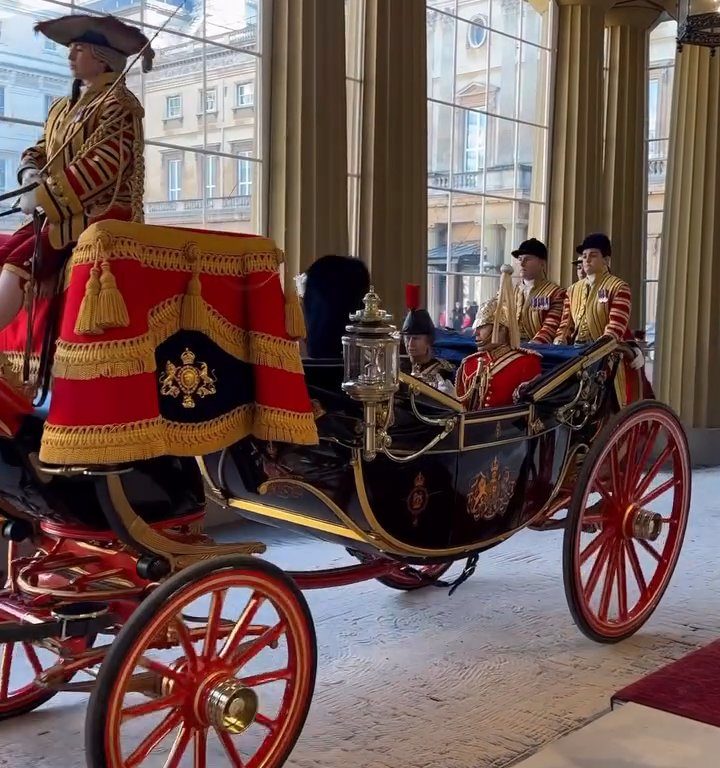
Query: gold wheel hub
{"type": "Point", "coordinates": [230, 706]}
{"type": "Point", "coordinates": [642, 524]}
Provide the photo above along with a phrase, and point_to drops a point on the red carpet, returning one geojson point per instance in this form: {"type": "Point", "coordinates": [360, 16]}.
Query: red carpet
{"type": "Point", "coordinates": [689, 687]}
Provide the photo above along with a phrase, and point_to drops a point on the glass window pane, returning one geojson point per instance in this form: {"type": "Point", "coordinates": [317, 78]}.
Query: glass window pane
{"type": "Point", "coordinates": [440, 52]}
{"type": "Point", "coordinates": [440, 124]}
{"type": "Point", "coordinates": [504, 70]}
{"type": "Point", "coordinates": [201, 190]}
{"type": "Point", "coordinates": [534, 75]}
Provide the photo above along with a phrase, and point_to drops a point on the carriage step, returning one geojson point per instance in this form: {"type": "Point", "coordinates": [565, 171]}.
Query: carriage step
{"type": "Point", "coordinates": [70, 620]}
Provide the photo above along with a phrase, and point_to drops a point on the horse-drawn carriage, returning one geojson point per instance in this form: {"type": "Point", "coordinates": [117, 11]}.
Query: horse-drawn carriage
{"type": "Point", "coordinates": [181, 381]}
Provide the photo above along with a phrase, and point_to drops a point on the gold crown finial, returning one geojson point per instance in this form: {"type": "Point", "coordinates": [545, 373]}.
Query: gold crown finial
{"type": "Point", "coordinates": [188, 357]}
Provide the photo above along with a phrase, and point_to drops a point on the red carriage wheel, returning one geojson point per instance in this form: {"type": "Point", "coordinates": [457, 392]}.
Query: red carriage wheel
{"type": "Point", "coordinates": [215, 668]}
{"type": "Point", "coordinates": [406, 577]}
{"type": "Point", "coordinates": [20, 665]}
{"type": "Point", "coordinates": [627, 521]}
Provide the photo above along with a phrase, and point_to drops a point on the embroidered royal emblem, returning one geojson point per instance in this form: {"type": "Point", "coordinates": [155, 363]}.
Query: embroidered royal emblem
{"type": "Point", "coordinates": [418, 498]}
{"type": "Point", "coordinates": [490, 496]}
{"type": "Point", "coordinates": [189, 380]}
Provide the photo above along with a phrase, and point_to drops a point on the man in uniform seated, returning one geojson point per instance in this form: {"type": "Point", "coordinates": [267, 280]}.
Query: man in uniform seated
{"type": "Point", "coordinates": [490, 378]}
{"type": "Point", "coordinates": [599, 305]}
{"type": "Point", "coordinates": [539, 301]}
{"type": "Point", "coordinates": [419, 333]}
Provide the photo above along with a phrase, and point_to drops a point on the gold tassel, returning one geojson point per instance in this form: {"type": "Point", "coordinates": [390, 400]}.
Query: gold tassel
{"type": "Point", "coordinates": [193, 313]}
{"type": "Point", "coordinates": [111, 308]}
{"type": "Point", "coordinates": [86, 323]}
{"type": "Point", "coordinates": [294, 317]}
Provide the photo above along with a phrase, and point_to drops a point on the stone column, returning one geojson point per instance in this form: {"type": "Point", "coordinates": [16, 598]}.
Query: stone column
{"type": "Point", "coordinates": [393, 187]}
{"type": "Point", "coordinates": [687, 367]}
{"type": "Point", "coordinates": [625, 167]}
{"type": "Point", "coordinates": [576, 153]}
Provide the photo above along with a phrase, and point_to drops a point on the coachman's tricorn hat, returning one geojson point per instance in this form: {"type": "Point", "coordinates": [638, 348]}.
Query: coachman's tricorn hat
{"type": "Point", "coordinates": [417, 321]}
{"type": "Point", "coordinates": [102, 31]}
{"type": "Point", "coordinates": [598, 241]}
{"type": "Point", "coordinates": [531, 247]}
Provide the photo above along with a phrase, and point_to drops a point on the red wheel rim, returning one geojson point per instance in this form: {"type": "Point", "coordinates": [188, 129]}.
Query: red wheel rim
{"type": "Point", "coordinates": [20, 665]}
{"type": "Point", "coordinates": [634, 514]}
{"type": "Point", "coordinates": [206, 651]}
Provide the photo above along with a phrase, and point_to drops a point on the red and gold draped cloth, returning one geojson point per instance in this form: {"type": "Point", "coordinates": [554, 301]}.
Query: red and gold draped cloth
{"type": "Point", "coordinates": [173, 342]}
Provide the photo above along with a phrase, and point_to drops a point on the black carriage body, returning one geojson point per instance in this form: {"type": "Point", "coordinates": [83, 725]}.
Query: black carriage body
{"type": "Point", "coordinates": [495, 473]}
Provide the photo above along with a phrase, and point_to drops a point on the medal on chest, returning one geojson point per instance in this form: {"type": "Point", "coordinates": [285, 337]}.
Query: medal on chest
{"type": "Point", "coordinates": [541, 303]}
{"type": "Point", "coordinates": [603, 296]}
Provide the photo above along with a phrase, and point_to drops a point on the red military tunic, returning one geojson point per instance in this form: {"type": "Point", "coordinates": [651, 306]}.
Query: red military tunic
{"type": "Point", "coordinates": [489, 379]}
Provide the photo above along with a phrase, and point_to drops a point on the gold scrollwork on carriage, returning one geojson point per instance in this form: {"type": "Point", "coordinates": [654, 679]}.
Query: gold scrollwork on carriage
{"type": "Point", "coordinates": [188, 380]}
{"type": "Point", "coordinates": [490, 495]}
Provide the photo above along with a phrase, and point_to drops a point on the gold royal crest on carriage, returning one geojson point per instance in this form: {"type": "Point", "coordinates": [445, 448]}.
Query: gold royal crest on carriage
{"type": "Point", "coordinates": [490, 496]}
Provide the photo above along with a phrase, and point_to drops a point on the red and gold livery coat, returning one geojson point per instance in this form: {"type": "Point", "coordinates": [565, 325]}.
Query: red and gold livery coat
{"type": "Point", "coordinates": [102, 166]}
{"type": "Point", "coordinates": [601, 308]}
{"type": "Point", "coordinates": [489, 379]}
{"type": "Point", "coordinates": [539, 313]}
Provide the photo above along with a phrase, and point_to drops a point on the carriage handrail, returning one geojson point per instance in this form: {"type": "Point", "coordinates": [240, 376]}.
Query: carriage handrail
{"type": "Point", "coordinates": [430, 392]}
{"type": "Point", "coordinates": [447, 429]}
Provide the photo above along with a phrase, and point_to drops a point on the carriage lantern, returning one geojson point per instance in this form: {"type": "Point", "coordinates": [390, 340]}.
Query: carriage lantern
{"type": "Point", "coordinates": [370, 352]}
{"type": "Point", "coordinates": [698, 23]}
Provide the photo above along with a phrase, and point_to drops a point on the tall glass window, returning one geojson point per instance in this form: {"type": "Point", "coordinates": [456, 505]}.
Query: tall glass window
{"type": "Point", "coordinates": [202, 102]}
{"type": "Point", "coordinates": [488, 127]}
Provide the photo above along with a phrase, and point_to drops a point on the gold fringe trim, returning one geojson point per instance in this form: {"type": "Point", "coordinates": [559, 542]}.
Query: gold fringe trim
{"type": "Point", "coordinates": [15, 361]}
{"type": "Point", "coordinates": [131, 357]}
{"type": "Point", "coordinates": [244, 256]}
{"type": "Point", "coordinates": [119, 444]}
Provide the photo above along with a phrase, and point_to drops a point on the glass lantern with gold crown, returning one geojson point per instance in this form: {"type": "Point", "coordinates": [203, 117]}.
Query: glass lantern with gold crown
{"type": "Point", "coordinates": [371, 359]}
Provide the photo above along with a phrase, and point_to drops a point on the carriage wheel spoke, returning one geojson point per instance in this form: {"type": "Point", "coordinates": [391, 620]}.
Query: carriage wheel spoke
{"type": "Point", "coordinates": [594, 545]}
{"type": "Point", "coordinates": [604, 491]}
{"type": "Point", "coordinates": [149, 707]}
{"type": "Point", "coordinates": [637, 468]}
{"type": "Point", "coordinates": [33, 658]}
{"type": "Point", "coordinates": [267, 638]}
{"type": "Point", "coordinates": [211, 635]}
{"type": "Point", "coordinates": [7, 654]}
{"type": "Point", "coordinates": [200, 749]}
{"type": "Point", "coordinates": [185, 640]}
{"type": "Point", "coordinates": [266, 722]}
{"type": "Point", "coordinates": [162, 670]}
{"type": "Point", "coordinates": [659, 491]}
{"type": "Point", "coordinates": [597, 568]}
{"type": "Point", "coordinates": [240, 629]}
{"type": "Point", "coordinates": [629, 460]}
{"type": "Point", "coordinates": [654, 469]}
{"type": "Point", "coordinates": [230, 750]}
{"type": "Point", "coordinates": [153, 739]}
{"type": "Point", "coordinates": [615, 483]}
{"type": "Point", "coordinates": [635, 565]}
{"type": "Point", "coordinates": [621, 571]}
{"type": "Point", "coordinates": [266, 677]}
{"type": "Point", "coordinates": [608, 583]}
{"type": "Point", "coordinates": [179, 746]}
{"type": "Point", "coordinates": [648, 547]}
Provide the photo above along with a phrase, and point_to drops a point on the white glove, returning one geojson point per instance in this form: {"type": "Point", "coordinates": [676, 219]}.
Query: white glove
{"type": "Point", "coordinates": [28, 202]}
{"type": "Point", "coordinates": [638, 360]}
{"type": "Point", "coordinates": [30, 176]}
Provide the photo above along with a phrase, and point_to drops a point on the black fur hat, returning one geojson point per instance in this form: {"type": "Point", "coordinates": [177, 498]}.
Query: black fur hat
{"type": "Point", "coordinates": [334, 287]}
{"type": "Point", "coordinates": [418, 323]}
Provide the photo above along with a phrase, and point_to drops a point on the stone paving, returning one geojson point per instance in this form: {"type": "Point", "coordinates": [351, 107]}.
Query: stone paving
{"type": "Point", "coordinates": [479, 680]}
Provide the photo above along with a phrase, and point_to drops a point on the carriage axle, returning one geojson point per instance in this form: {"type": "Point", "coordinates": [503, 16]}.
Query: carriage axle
{"type": "Point", "coordinates": [644, 524]}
